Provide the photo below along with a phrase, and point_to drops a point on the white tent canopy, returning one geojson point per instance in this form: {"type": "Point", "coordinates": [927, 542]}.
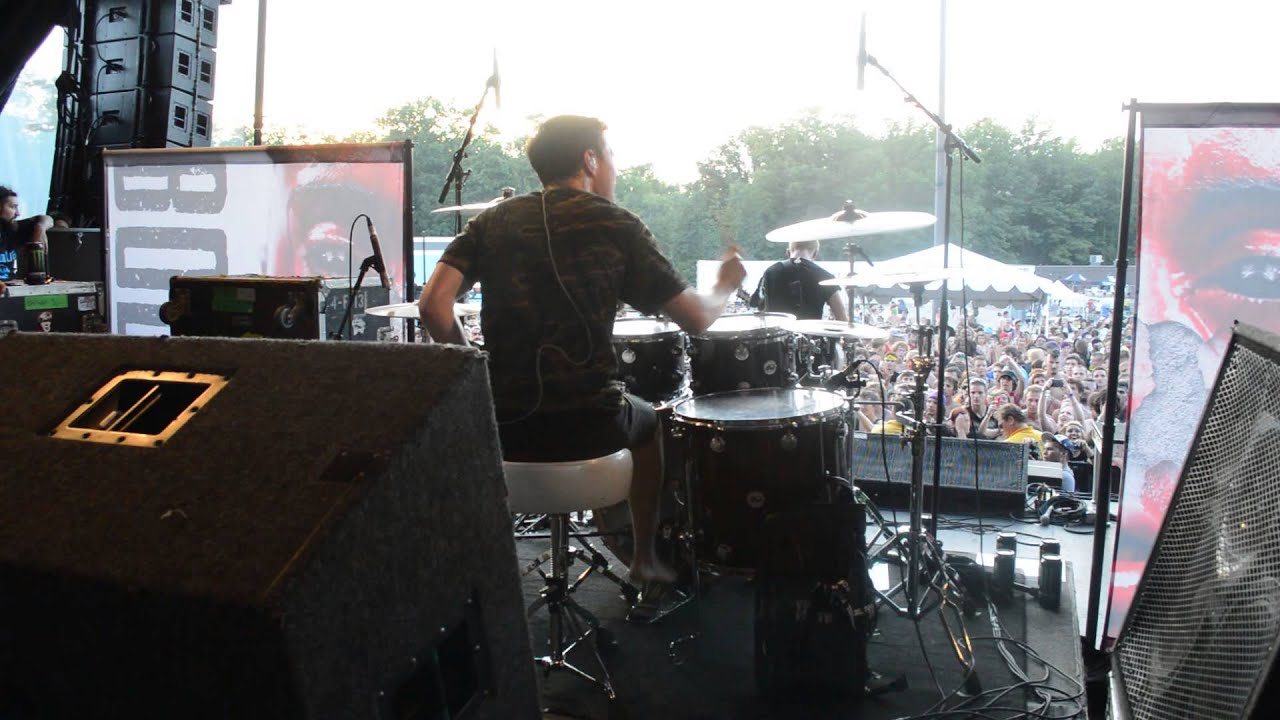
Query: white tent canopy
{"type": "Point", "coordinates": [983, 280]}
{"type": "Point", "coordinates": [1066, 297]}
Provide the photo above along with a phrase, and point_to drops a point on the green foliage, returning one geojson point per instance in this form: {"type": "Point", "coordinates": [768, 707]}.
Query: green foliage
{"type": "Point", "coordinates": [1035, 198]}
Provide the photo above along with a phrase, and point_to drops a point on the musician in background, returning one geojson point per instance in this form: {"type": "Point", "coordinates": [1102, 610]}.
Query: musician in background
{"type": "Point", "coordinates": [554, 266]}
{"type": "Point", "coordinates": [792, 286]}
{"type": "Point", "coordinates": [14, 233]}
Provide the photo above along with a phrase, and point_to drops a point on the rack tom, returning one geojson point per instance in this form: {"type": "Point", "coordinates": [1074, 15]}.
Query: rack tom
{"type": "Point", "coordinates": [651, 358]}
{"type": "Point", "coordinates": [744, 351]}
{"type": "Point", "coordinates": [750, 453]}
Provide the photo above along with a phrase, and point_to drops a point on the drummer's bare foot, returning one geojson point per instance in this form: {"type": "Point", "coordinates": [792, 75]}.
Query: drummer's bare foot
{"type": "Point", "coordinates": [651, 571]}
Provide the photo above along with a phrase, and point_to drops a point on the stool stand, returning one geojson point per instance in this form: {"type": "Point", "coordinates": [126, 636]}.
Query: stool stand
{"type": "Point", "coordinates": [566, 616]}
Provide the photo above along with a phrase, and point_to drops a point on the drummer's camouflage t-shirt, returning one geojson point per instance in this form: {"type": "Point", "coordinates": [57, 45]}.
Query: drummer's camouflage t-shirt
{"type": "Point", "coordinates": [604, 255]}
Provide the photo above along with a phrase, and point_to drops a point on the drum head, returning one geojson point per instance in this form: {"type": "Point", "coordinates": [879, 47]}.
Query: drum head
{"type": "Point", "coordinates": [731, 325]}
{"type": "Point", "coordinates": [642, 327]}
{"type": "Point", "coordinates": [759, 406]}
{"type": "Point", "coordinates": [837, 329]}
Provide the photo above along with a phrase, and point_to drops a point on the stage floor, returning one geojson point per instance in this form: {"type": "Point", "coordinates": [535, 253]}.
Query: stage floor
{"type": "Point", "coordinates": [712, 676]}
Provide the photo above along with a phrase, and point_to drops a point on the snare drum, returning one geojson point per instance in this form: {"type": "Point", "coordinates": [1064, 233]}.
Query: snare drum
{"type": "Point", "coordinates": [754, 452]}
{"type": "Point", "coordinates": [651, 358]}
{"type": "Point", "coordinates": [744, 351]}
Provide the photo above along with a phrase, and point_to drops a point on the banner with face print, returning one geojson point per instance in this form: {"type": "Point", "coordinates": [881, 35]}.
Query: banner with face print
{"type": "Point", "coordinates": [1208, 255]}
{"type": "Point", "coordinates": [276, 211]}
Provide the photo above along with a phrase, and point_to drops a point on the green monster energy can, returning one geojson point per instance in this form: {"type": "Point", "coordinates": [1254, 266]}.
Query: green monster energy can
{"type": "Point", "coordinates": [37, 263]}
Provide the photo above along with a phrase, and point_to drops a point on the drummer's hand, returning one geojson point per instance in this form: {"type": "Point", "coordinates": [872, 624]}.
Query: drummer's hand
{"type": "Point", "coordinates": [732, 271]}
{"type": "Point", "coordinates": [962, 424]}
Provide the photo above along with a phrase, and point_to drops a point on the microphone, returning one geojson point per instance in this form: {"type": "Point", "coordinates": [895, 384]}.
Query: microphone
{"type": "Point", "coordinates": [495, 81]}
{"type": "Point", "coordinates": [862, 51]}
{"type": "Point", "coordinates": [857, 250]}
{"type": "Point", "coordinates": [378, 263]}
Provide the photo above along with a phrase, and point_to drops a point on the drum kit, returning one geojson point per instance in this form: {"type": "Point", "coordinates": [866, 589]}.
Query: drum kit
{"type": "Point", "coordinates": [757, 423]}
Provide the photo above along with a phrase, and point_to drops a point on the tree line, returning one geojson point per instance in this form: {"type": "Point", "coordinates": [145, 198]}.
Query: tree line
{"type": "Point", "coordinates": [1035, 198]}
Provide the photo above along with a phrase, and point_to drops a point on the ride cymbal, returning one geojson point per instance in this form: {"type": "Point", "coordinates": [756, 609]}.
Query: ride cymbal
{"type": "Point", "coordinates": [851, 223]}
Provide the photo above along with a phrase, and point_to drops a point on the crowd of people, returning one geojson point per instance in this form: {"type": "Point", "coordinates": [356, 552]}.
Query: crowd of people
{"type": "Point", "coordinates": [1022, 381]}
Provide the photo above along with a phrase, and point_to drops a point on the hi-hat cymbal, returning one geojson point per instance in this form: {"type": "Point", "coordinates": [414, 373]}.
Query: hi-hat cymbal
{"type": "Point", "coordinates": [470, 208]}
{"type": "Point", "coordinates": [835, 328]}
{"type": "Point", "coordinates": [409, 311]}
{"type": "Point", "coordinates": [887, 279]}
{"type": "Point", "coordinates": [851, 223]}
{"type": "Point", "coordinates": [477, 208]}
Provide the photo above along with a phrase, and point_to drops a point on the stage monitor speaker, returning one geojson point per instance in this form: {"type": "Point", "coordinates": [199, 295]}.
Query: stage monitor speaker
{"type": "Point", "coordinates": [1201, 637]}
{"type": "Point", "coordinates": [218, 528]}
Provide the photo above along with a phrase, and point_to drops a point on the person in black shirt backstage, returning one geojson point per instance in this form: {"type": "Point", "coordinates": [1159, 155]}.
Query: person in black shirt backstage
{"type": "Point", "coordinates": [554, 266]}
{"type": "Point", "coordinates": [15, 233]}
{"type": "Point", "coordinates": [792, 286]}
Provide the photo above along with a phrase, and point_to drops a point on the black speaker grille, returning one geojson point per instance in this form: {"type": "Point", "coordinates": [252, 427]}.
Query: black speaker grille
{"type": "Point", "coordinates": [1202, 633]}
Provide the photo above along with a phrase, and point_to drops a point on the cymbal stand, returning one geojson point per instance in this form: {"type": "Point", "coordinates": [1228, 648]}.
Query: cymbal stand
{"type": "Point", "coordinates": [851, 251]}
{"type": "Point", "coordinates": [925, 561]}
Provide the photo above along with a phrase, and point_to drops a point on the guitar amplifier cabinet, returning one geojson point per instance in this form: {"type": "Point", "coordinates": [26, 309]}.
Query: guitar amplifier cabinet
{"type": "Point", "coordinates": [285, 308]}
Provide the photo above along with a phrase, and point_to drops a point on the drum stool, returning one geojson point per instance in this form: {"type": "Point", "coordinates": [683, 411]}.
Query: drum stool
{"type": "Point", "coordinates": [557, 489]}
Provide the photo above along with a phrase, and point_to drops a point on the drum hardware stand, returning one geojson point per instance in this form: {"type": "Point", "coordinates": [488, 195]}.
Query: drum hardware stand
{"type": "Point", "coordinates": [688, 541]}
{"type": "Point", "coordinates": [565, 614]}
{"type": "Point", "coordinates": [852, 250]}
{"type": "Point", "coordinates": [924, 555]}
{"type": "Point", "coordinates": [594, 560]}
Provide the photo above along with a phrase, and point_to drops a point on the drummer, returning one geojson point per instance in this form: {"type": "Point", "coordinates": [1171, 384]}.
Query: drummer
{"type": "Point", "coordinates": [791, 286]}
{"type": "Point", "coordinates": [554, 266]}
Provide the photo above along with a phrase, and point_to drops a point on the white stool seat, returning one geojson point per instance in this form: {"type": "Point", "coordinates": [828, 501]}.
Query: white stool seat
{"type": "Point", "coordinates": [566, 487]}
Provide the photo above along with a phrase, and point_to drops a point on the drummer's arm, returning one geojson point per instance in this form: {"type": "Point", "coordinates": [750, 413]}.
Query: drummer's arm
{"type": "Point", "coordinates": [838, 310]}
{"type": "Point", "coordinates": [694, 312]}
{"type": "Point", "coordinates": [435, 307]}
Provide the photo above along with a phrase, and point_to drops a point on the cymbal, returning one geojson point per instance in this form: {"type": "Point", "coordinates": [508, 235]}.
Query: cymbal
{"type": "Point", "coordinates": [886, 279]}
{"type": "Point", "coordinates": [835, 328]}
{"type": "Point", "coordinates": [847, 224]}
{"type": "Point", "coordinates": [409, 311]}
{"type": "Point", "coordinates": [470, 208]}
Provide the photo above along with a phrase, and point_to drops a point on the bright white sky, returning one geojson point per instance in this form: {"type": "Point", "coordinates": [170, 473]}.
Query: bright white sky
{"type": "Point", "coordinates": [676, 79]}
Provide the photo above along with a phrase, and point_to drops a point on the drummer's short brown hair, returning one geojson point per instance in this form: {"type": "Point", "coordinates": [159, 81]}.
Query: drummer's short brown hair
{"type": "Point", "coordinates": [555, 150]}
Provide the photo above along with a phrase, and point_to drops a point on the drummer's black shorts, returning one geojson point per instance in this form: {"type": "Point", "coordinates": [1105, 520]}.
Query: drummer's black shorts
{"type": "Point", "coordinates": [579, 435]}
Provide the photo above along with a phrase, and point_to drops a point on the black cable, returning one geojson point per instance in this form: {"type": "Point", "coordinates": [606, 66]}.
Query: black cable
{"type": "Point", "coordinates": [963, 338]}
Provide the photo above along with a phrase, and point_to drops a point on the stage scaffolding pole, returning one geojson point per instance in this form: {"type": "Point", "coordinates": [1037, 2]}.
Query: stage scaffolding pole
{"type": "Point", "coordinates": [1102, 489]}
{"type": "Point", "coordinates": [260, 78]}
{"type": "Point", "coordinates": [940, 141]}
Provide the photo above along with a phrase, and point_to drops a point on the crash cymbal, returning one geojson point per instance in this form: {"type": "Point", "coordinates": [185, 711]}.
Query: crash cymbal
{"type": "Point", "coordinates": [887, 279]}
{"type": "Point", "coordinates": [835, 328]}
{"type": "Point", "coordinates": [409, 311]}
{"type": "Point", "coordinates": [477, 208]}
{"type": "Point", "coordinates": [851, 223]}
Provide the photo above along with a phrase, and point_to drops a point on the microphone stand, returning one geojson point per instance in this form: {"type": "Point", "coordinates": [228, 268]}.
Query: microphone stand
{"type": "Point", "coordinates": [952, 143]}
{"type": "Point", "coordinates": [457, 175]}
{"type": "Point", "coordinates": [365, 266]}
